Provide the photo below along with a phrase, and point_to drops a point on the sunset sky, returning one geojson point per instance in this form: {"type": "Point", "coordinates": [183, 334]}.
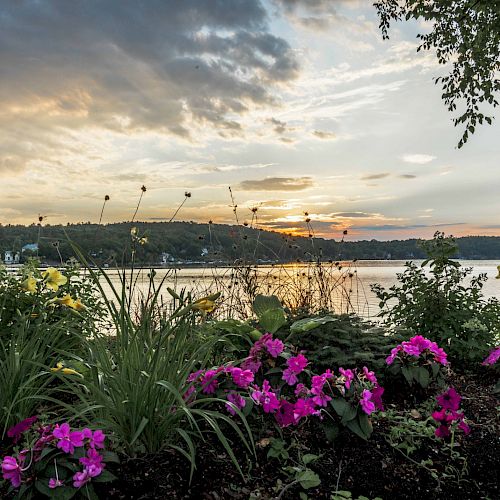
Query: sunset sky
{"type": "Point", "coordinates": [298, 105]}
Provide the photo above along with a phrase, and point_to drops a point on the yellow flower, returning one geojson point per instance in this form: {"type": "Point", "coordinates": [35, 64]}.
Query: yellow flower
{"type": "Point", "coordinates": [54, 278]}
{"type": "Point", "coordinates": [66, 301]}
{"type": "Point", "coordinates": [78, 305]}
{"type": "Point", "coordinates": [67, 371]}
{"type": "Point", "coordinates": [143, 240]}
{"type": "Point", "coordinates": [204, 305]}
{"type": "Point", "coordinates": [29, 284]}
{"type": "Point", "coordinates": [133, 231]}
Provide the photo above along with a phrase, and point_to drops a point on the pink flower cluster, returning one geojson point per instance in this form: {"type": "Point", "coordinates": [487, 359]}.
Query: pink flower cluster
{"type": "Point", "coordinates": [418, 346]}
{"type": "Point", "coordinates": [289, 401]}
{"type": "Point", "coordinates": [64, 439]}
{"type": "Point", "coordinates": [449, 413]}
{"type": "Point", "coordinates": [492, 357]}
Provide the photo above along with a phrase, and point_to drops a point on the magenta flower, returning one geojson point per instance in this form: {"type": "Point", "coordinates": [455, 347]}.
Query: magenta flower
{"type": "Point", "coordinates": [95, 439]}
{"type": "Point", "coordinates": [442, 431]}
{"type": "Point", "coordinates": [55, 483]}
{"type": "Point", "coordinates": [301, 390]}
{"type": "Point", "coordinates": [285, 414]}
{"type": "Point", "coordinates": [67, 440]}
{"type": "Point", "coordinates": [443, 417]}
{"type": "Point", "coordinates": [260, 345]}
{"type": "Point", "coordinates": [439, 355]}
{"type": "Point", "coordinates": [266, 397]}
{"type": "Point", "coordinates": [394, 352]}
{"type": "Point", "coordinates": [464, 427]}
{"type": "Point", "coordinates": [370, 376]}
{"type": "Point", "coordinates": [348, 375]}
{"type": "Point", "coordinates": [237, 400]}
{"type": "Point", "coordinates": [93, 458]}
{"type": "Point", "coordinates": [289, 376]}
{"type": "Point", "coordinates": [318, 381]}
{"type": "Point", "coordinates": [492, 357]}
{"type": "Point", "coordinates": [209, 382]}
{"type": "Point", "coordinates": [377, 392]}
{"type": "Point", "coordinates": [274, 347]}
{"type": "Point", "coordinates": [11, 470]}
{"type": "Point", "coordinates": [251, 363]}
{"type": "Point", "coordinates": [297, 363]}
{"type": "Point", "coordinates": [449, 400]}
{"type": "Point", "coordinates": [366, 402]}
{"type": "Point", "coordinates": [304, 408]}
{"type": "Point", "coordinates": [242, 378]}
{"type": "Point", "coordinates": [15, 431]}
{"type": "Point", "coordinates": [194, 376]}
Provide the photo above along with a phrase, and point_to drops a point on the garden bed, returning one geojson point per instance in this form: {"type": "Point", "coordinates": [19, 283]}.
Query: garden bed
{"type": "Point", "coordinates": [370, 468]}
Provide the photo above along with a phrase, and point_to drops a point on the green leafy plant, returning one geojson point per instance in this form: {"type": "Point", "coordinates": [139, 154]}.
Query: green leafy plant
{"type": "Point", "coordinates": [270, 312]}
{"type": "Point", "coordinates": [441, 304]}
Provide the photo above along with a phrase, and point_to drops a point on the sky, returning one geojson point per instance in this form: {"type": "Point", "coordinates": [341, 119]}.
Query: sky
{"type": "Point", "coordinates": [298, 105]}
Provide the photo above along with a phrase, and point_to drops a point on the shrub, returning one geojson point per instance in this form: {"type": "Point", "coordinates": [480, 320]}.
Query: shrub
{"type": "Point", "coordinates": [446, 304]}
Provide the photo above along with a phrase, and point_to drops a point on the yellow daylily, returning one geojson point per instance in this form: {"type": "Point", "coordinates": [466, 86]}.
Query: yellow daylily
{"type": "Point", "coordinates": [60, 368]}
{"type": "Point", "coordinates": [204, 305]}
{"type": "Point", "coordinates": [29, 284]}
{"type": "Point", "coordinates": [66, 301]}
{"type": "Point", "coordinates": [78, 305]}
{"type": "Point", "coordinates": [54, 278]}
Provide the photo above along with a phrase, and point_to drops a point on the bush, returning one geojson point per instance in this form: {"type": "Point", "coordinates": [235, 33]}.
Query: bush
{"type": "Point", "coordinates": [446, 304]}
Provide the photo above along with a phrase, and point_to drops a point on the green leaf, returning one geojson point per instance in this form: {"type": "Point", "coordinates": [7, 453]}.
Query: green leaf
{"type": "Point", "coordinates": [308, 479]}
{"type": "Point", "coordinates": [263, 303]}
{"type": "Point", "coordinates": [309, 457]}
{"type": "Point", "coordinates": [423, 377]}
{"type": "Point", "coordinates": [272, 320]}
{"type": "Point", "coordinates": [139, 430]}
{"type": "Point", "coordinates": [105, 477]}
{"type": "Point", "coordinates": [306, 324]}
{"type": "Point", "coordinates": [407, 374]}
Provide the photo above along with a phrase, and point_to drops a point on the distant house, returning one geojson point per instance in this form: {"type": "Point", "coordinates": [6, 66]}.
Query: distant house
{"type": "Point", "coordinates": [11, 257]}
{"type": "Point", "coordinates": [165, 258]}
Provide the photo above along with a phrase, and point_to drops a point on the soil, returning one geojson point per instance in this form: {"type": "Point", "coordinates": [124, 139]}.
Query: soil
{"type": "Point", "coordinates": [372, 468]}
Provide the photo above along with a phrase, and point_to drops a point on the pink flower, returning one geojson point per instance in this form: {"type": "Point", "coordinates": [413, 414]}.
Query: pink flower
{"type": "Point", "coordinates": [15, 431]}
{"type": "Point", "coordinates": [93, 458]}
{"type": "Point", "coordinates": [304, 408]}
{"type": "Point", "coordinates": [96, 438]}
{"type": "Point", "coordinates": [266, 398]}
{"type": "Point", "coordinates": [349, 376]}
{"type": "Point", "coordinates": [377, 392]}
{"type": "Point", "coordinates": [464, 427]}
{"type": "Point", "coordinates": [55, 483]}
{"type": "Point", "coordinates": [301, 390]}
{"type": "Point", "coordinates": [209, 382]}
{"type": "Point", "coordinates": [237, 400]}
{"type": "Point", "coordinates": [492, 357]}
{"type": "Point", "coordinates": [318, 381]}
{"type": "Point", "coordinates": [11, 470]}
{"type": "Point", "coordinates": [449, 400]}
{"type": "Point", "coordinates": [443, 417]}
{"type": "Point", "coordinates": [242, 378]}
{"type": "Point", "coordinates": [297, 363]}
{"type": "Point", "coordinates": [252, 364]}
{"type": "Point", "coordinates": [366, 402]}
{"type": "Point", "coordinates": [67, 440]}
{"type": "Point", "coordinates": [442, 431]}
{"type": "Point", "coordinates": [370, 376]}
{"type": "Point", "coordinates": [439, 354]}
{"type": "Point", "coordinates": [285, 414]}
{"type": "Point", "coordinates": [394, 352]}
{"type": "Point", "coordinates": [260, 345]}
{"type": "Point", "coordinates": [416, 345]}
{"type": "Point", "coordinates": [194, 376]}
{"type": "Point", "coordinates": [274, 347]}
{"type": "Point", "coordinates": [289, 376]}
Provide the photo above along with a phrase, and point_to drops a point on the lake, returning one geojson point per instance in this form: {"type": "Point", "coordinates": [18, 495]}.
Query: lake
{"type": "Point", "coordinates": [346, 288]}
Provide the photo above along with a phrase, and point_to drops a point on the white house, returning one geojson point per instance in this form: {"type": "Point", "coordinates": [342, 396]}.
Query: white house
{"type": "Point", "coordinates": [11, 257]}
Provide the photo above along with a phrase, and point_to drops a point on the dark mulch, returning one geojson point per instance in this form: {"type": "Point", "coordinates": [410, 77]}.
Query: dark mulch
{"type": "Point", "coordinates": [370, 468]}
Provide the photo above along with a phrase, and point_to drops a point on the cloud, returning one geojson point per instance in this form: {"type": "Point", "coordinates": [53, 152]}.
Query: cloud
{"type": "Point", "coordinates": [419, 159]}
{"type": "Point", "coordinates": [277, 184]}
{"type": "Point", "coordinates": [353, 215]}
{"type": "Point", "coordinates": [165, 66]}
{"type": "Point", "coordinates": [407, 176]}
{"type": "Point", "coordinates": [370, 177]}
{"type": "Point", "coordinates": [321, 134]}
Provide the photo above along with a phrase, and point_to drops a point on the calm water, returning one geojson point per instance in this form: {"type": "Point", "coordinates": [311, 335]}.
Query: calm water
{"type": "Point", "coordinates": [349, 287]}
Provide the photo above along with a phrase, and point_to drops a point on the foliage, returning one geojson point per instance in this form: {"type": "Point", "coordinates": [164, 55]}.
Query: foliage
{"type": "Point", "coordinates": [342, 340]}
{"type": "Point", "coordinates": [56, 461]}
{"type": "Point", "coordinates": [418, 361]}
{"type": "Point", "coordinates": [444, 304]}
{"type": "Point", "coordinates": [38, 327]}
{"type": "Point", "coordinates": [269, 312]}
{"type": "Point", "coordinates": [274, 379]}
{"type": "Point", "coordinates": [465, 33]}
{"type": "Point", "coordinates": [136, 391]}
